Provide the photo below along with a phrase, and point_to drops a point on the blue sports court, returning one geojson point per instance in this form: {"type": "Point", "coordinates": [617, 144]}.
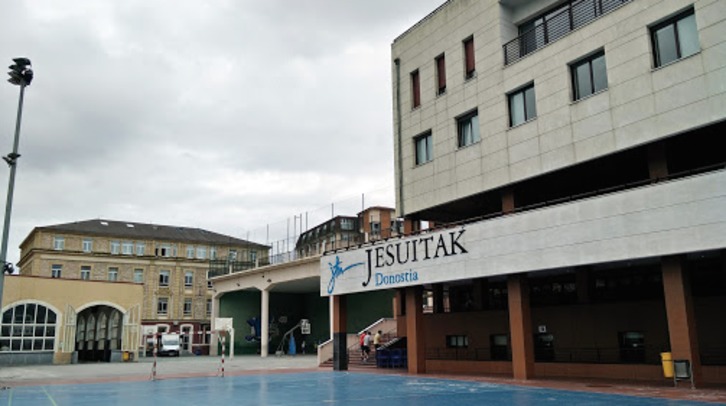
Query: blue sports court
{"type": "Point", "coordinates": [312, 388]}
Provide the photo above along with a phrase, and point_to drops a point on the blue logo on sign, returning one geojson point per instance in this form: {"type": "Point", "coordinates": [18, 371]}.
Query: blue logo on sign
{"type": "Point", "coordinates": [336, 270]}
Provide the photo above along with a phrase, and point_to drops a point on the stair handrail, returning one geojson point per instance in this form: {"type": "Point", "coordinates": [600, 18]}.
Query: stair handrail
{"type": "Point", "coordinates": [325, 351]}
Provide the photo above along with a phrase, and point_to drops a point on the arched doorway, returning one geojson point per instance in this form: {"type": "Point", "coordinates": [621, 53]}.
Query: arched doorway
{"type": "Point", "coordinates": [98, 333]}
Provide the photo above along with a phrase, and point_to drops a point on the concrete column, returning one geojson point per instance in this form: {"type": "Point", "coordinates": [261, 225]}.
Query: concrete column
{"type": "Point", "coordinates": [265, 323]}
{"type": "Point", "coordinates": [657, 161]}
{"type": "Point", "coordinates": [681, 317]}
{"type": "Point", "coordinates": [415, 338]}
{"type": "Point", "coordinates": [520, 327]}
{"type": "Point", "coordinates": [340, 333]}
{"type": "Point", "coordinates": [213, 334]}
{"type": "Point", "coordinates": [507, 200]}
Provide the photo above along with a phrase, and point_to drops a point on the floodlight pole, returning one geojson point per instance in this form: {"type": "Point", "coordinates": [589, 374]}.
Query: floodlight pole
{"type": "Point", "coordinates": [23, 80]}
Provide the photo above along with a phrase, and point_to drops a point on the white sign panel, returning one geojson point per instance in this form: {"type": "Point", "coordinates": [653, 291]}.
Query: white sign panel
{"type": "Point", "coordinates": [424, 258]}
{"type": "Point", "coordinates": [664, 219]}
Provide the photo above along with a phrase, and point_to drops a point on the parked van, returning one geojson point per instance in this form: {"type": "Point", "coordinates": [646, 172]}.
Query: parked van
{"type": "Point", "coordinates": [170, 345]}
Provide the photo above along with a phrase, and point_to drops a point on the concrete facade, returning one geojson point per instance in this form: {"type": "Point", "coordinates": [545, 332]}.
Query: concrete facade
{"type": "Point", "coordinates": [640, 105]}
{"type": "Point", "coordinates": [574, 168]}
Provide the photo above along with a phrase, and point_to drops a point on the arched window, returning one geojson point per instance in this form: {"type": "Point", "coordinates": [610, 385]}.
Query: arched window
{"type": "Point", "coordinates": [28, 327]}
{"type": "Point", "coordinates": [81, 329]}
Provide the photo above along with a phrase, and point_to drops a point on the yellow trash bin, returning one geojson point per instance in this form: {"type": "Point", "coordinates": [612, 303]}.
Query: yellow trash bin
{"type": "Point", "coordinates": [666, 359]}
{"type": "Point", "coordinates": [126, 359]}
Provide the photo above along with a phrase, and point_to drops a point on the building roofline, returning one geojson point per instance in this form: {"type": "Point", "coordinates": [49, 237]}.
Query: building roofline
{"type": "Point", "coordinates": [148, 231]}
{"type": "Point", "coordinates": [421, 21]}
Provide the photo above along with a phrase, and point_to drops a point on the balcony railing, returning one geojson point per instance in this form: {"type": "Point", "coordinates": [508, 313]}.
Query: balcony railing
{"type": "Point", "coordinates": [551, 27]}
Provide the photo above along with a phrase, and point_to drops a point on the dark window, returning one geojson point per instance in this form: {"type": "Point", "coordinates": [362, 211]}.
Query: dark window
{"type": "Point", "coordinates": [468, 128]}
{"type": "Point", "coordinates": [589, 76]}
{"type": "Point", "coordinates": [415, 89]}
{"type": "Point", "coordinates": [457, 341]}
{"type": "Point", "coordinates": [544, 347]}
{"type": "Point", "coordinates": [632, 347]}
{"type": "Point", "coordinates": [424, 148]}
{"type": "Point", "coordinates": [522, 105]}
{"type": "Point", "coordinates": [675, 38]}
{"type": "Point", "coordinates": [440, 74]}
{"type": "Point", "coordinates": [469, 64]}
{"type": "Point", "coordinates": [499, 347]}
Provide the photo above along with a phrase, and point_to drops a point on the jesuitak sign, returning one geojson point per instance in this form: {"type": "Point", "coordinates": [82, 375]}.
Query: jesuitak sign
{"type": "Point", "coordinates": [397, 263]}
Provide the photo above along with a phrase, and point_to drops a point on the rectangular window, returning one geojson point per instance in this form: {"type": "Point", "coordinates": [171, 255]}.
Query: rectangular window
{"type": "Point", "coordinates": [139, 275]}
{"type": "Point", "coordinates": [253, 256]}
{"type": "Point", "coordinates": [59, 243]}
{"type": "Point", "coordinates": [115, 247]}
{"type": "Point", "coordinates": [87, 245]}
{"type": "Point", "coordinates": [187, 307]}
{"type": "Point", "coordinates": [522, 105]}
{"type": "Point", "coordinates": [166, 250]}
{"type": "Point", "coordinates": [347, 224]}
{"type": "Point", "coordinates": [209, 307]}
{"type": "Point", "coordinates": [162, 306]}
{"type": "Point", "coordinates": [415, 89]}
{"type": "Point", "coordinates": [232, 255]}
{"type": "Point", "coordinates": [210, 285]}
{"type": "Point", "coordinates": [85, 272]}
{"type": "Point", "coordinates": [440, 74]}
{"type": "Point", "coordinates": [140, 248]}
{"type": "Point", "coordinates": [188, 278]}
{"type": "Point", "coordinates": [164, 278]}
{"type": "Point", "coordinates": [589, 76]}
{"type": "Point", "coordinates": [675, 38]}
{"type": "Point", "coordinates": [112, 274]}
{"type": "Point", "coordinates": [213, 253]}
{"type": "Point", "coordinates": [190, 251]}
{"type": "Point", "coordinates": [468, 128]}
{"type": "Point", "coordinates": [424, 148]}
{"type": "Point", "coordinates": [128, 248]}
{"type": "Point", "coordinates": [201, 252]}
{"type": "Point", "coordinates": [469, 64]}
{"type": "Point", "coordinates": [457, 341]}
{"type": "Point", "coordinates": [499, 347]}
{"type": "Point", "coordinates": [55, 271]}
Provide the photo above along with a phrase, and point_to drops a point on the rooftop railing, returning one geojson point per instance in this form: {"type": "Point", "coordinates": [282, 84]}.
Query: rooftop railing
{"type": "Point", "coordinates": [551, 27]}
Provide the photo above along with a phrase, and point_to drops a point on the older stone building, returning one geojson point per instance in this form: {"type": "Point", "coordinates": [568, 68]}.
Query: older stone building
{"type": "Point", "coordinates": [171, 263]}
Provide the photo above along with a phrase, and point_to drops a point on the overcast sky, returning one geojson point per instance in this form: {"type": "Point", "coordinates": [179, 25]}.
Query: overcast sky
{"type": "Point", "coordinates": [226, 115]}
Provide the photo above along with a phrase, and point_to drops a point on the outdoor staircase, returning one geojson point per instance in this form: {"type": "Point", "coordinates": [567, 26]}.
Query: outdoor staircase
{"type": "Point", "coordinates": [325, 353]}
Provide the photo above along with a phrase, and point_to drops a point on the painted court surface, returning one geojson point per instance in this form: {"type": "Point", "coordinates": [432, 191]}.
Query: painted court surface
{"type": "Point", "coordinates": [312, 388]}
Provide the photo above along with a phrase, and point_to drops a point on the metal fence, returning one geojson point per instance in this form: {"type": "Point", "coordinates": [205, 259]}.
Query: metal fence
{"type": "Point", "coordinates": [551, 27]}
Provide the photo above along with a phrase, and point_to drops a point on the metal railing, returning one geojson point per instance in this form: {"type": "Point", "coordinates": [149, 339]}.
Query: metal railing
{"type": "Point", "coordinates": [610, 355]}
{"type": "Point", "coordinates": [551, 27]}
{"type": "Point", "coordinates": [467, 354]}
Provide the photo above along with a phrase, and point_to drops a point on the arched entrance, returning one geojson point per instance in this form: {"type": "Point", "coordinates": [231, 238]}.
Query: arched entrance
{"type": "Point", "coordinates": [98, 332]}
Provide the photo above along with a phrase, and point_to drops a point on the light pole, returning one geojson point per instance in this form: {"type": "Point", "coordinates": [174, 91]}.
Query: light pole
{"type": "Point", "coordinates": [21, 75]}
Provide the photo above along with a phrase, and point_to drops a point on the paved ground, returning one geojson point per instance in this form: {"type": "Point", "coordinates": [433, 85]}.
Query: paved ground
{"type": "Point", "coordinates": [170, 369]}
{"type": "Point", "coordinates": [167, 367]}
{"type": "Point", "coordinates": [314, 388]}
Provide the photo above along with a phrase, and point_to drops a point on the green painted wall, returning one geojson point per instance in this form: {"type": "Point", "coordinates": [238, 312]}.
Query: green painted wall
{"type": "Point", "coordinates": [241, 306]}
{"type": "Point", "coordinates": [286, 310]}
{"type": "Point", "coordinates": [366, 308]}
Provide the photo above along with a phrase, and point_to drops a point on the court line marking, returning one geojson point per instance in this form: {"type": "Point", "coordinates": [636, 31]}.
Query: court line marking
{"type": "Point", "coordinates": [49, 397]}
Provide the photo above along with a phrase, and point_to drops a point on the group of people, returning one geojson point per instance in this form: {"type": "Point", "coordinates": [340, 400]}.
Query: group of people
{"type": "Point", "coordinates": [365, 344]}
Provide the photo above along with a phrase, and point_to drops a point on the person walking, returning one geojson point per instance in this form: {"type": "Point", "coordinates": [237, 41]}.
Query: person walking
{"type": "Point", "coordinates": [377, 340]}
{"type": "Point", "coordinates": [366, 345]}
{"type": "Point", "coordinates": [362, 347]}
